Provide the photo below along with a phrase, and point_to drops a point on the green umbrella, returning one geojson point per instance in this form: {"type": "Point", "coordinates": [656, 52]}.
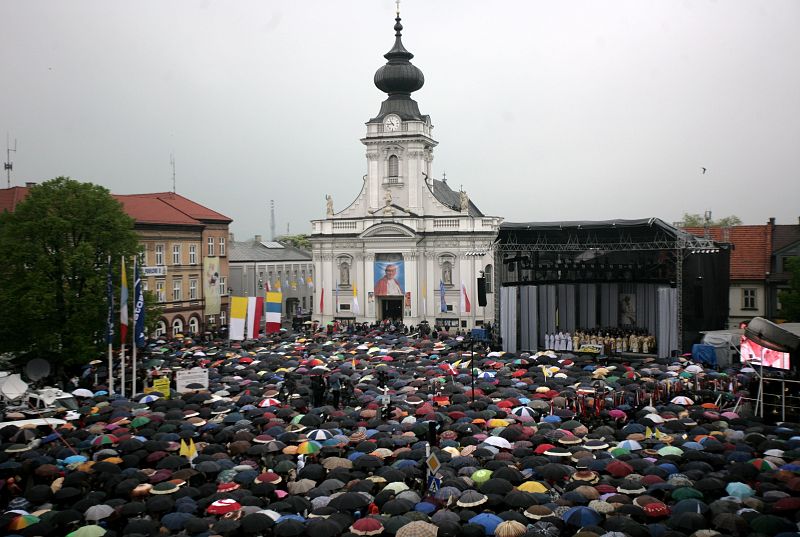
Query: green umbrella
{"type": "Point", "coordinates": [138, 421]}
{"type": "Point", "coordinates": [481, 476]}
{"type": "Point", "coordinates": [670, 450]}
{"type": "Point", "coordinates": [685, 493]}
{"type": "Point", "coordinates": [88, 531]}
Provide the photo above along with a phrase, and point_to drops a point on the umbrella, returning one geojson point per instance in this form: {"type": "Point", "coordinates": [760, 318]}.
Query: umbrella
{"type": "Point", "coordinates": [98, 512]}
{"type": "Point", "coordinates": [367, 526]}
{"type": "Point", "coordinates": [289, 528]}
{"type": "Point", "coordinates": [221, 507]}
{"type": "Point", "coordinates": [488, 521]}
{"type": "Point", "coordinates": [581, 516]}
{"type": "Point", "coordinates": [256, 523]}
{"type": "Point", "coordinates": [510, 528]}
{"type": "Point", "coordinates": [88, 531]}
{"type": "Point", "coordinates": [417, 528]}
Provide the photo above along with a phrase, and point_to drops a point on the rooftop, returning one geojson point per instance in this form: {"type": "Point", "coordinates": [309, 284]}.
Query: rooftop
{"type": "Point", "coordinates": [750, 258]}
{"type": "Point", "coordinates": [265, 252]}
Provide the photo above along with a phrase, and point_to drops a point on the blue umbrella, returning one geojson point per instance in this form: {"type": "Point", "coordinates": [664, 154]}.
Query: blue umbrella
{"type": "Point", "coordinates": [581, 516]}
{"type": "Point", "coordinates": [175, 521]}
{"type": "Point", "coordinates": [489, 522]}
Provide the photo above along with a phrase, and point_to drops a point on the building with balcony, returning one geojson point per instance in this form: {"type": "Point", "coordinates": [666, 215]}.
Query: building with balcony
{"type": "Point", "coordinates": [184, 260]}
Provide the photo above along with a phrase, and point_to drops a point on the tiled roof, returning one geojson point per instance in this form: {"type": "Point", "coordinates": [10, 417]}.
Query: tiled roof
{"type": "Point", "coordinates": [10, 197]}
{"type": "Point", "coordinates": [750, 258]}
{"type": "Point", "coordinates": [179, 203]}
{"type": "Point", "coordinates": [157, 208]}
{"type": "Point", "coordinates": [257, 251]}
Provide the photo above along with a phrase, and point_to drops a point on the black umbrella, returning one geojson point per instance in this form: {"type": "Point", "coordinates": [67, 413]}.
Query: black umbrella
{"type": "Point", "coordinates": [256, 523]}
{"type": "Point", "coordinates": [687, 522]}
{"type": "Point", "coordinates": [349, 501]}
{"type": "Point", "coordinates": [323, 527]}
{"type": "Point", "coordinates": [289, 528]}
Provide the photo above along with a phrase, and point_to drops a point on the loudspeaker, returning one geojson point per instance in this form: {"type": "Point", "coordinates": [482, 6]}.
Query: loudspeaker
{"type": "Point", "coordinates": [481, 291]}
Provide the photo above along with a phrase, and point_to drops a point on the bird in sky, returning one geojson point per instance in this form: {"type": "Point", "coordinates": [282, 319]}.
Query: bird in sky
{"type": "Point", "coordinates": [704, 170]}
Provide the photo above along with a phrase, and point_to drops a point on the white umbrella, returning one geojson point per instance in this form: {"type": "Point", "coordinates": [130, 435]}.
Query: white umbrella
{"type": "Point", "coordinates": [498, 442]}
{"type": "Point", "coordinates": [83, 392]}
{"type": "Point", "coordinates": [682, 400]}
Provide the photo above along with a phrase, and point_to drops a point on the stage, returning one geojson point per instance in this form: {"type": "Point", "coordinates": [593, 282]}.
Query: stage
{"type": "Point", "coordinates": [623, 276]}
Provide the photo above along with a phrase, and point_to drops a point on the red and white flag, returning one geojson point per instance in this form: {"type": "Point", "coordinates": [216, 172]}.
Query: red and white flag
{"type": "Point", "coordinates": [466, 307]}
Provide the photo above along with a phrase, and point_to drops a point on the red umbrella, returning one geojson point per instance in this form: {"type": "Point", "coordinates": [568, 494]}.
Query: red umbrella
{"type": "Point", "coordinates": [367, 526]}
{"type": "Point", "coordinates": [221, 507]}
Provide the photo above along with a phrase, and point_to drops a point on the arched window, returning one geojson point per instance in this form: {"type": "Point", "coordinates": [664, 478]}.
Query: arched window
{"type": "Point", "coordinates": [393, 167]}
{"type": "Point", "coordinates": [161, 328]}
{"type": "Point", "coordinates": [194, 325]}
{"type": "Point", "coordinates": [487, 273]}
{"type": "Point", "coordinates": [177, 327]}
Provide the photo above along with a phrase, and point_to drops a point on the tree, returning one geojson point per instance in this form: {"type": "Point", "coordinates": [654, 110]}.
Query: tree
{"type": "Point", "coordinates": [153, 312]}
{"type": "Point", "coordinates": [697, 220]}
{"type": "Point", "coordinates": [56, 246]}
{"type": "Point", "coordinates": [298, 241]}
{"type": "Point", "coordinates": [790, 298]}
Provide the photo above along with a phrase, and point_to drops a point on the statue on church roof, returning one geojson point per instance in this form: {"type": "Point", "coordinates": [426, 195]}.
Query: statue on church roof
{"type": "Point", "coordinates": [463, 201]}
{"type": "Point", "coordinates": [329, 204]}
{"type": "Point", "coordinates": [387, 197]}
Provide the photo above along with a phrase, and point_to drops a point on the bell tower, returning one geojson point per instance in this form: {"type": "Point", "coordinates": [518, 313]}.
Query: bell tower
{"type": "Point", "coordinates": [399, 143]}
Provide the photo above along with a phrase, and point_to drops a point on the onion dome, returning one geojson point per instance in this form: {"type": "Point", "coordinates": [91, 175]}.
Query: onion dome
{"type": "Point", "coordinates": [399, 78]}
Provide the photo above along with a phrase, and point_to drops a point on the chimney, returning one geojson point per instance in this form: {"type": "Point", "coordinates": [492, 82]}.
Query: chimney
{"type": "Point", "coordinates": [258, 238]}
{"type": "Point", "coordinates": [230, 236]}
{"type": "Point", "coordinates": [771, 221]}
{"type": "Point", "coordinates": [29, 185]}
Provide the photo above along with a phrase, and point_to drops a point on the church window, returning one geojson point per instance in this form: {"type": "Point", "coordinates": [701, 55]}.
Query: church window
{"type": "Point", "coordinates": [393, 167]}
{"type": "Point", "coordinates": [487, 273]}
{"type": "Point", "coordinates": [344, 273]}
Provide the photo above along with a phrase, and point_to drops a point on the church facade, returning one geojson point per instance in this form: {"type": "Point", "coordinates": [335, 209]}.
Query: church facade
{"type": "Point", "coordinates": [408, 247]}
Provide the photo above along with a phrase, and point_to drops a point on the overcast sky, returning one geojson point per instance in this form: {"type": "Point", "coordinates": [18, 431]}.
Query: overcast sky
{"type": "Point", "coordinates": [543, 110]}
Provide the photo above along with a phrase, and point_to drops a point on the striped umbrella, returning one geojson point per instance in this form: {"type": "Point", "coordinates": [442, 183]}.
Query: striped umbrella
{"type": "Point", "coordinates": [308, 448]}
{"type": "Point", "coordinates": [22, 522]}
{"type": "Point", "coordinates": [319, 435]}
{"type": "Point", "coordinates": [524, 413]}
{"type": "Point", "coordinates": [269, 401]}
{"type": "Point", "coordinates": [104, 440]}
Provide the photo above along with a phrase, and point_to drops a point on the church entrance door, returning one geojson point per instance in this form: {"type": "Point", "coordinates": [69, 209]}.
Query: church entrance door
{"type": "Point", "coordinates": [391, 308]}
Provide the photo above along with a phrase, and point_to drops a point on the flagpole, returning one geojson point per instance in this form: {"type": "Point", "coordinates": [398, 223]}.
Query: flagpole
{"type": "Point", "coordinates": [110, 330]}
{"type": "Point", "coordinates": [122, 370]}
{"type": "Point", "coordinates": [133, 332]}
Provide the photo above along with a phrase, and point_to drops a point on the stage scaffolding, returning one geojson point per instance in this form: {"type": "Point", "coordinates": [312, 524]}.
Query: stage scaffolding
{"type": "Point", "coordinates": [518, 241]}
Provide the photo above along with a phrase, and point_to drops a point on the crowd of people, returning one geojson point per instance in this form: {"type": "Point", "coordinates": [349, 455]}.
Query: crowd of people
{"type": "Point", "coordinates": [399, 431]}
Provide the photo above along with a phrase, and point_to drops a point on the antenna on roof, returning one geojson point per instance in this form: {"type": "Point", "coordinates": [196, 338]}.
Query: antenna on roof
{"type": "Point", "coordinates": [272, 220]}
{"type": "Point", "coordinates": [8, 164]}
{"type": "Point", "coordinates": [287, 228]}
{"type": "Point", "coordinates": [172, 163]}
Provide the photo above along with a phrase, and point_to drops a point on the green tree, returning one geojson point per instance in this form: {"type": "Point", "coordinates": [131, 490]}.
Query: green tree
{"type": "Point", "coordinates": [152, 312]}
{"type": "Point", "coordinates": [697, 220]}
{"type": "Point", "coordinates": [790, 298]}
{"type": "Point", "coordinates": [298, 241]}
{"type": "Point", "coordinates": [56, 246]}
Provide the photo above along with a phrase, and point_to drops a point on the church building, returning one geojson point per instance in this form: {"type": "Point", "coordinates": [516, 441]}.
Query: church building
{"type": "Point", "coordinates": [408, 247]}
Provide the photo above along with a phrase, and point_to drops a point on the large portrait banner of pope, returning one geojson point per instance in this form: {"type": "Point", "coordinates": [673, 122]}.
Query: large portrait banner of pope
{"type": "Point", "coordinates": [389, 278]}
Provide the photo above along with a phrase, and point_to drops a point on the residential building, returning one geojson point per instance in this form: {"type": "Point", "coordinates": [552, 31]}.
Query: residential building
{"type": "Point", "coordinates": [184, 257]}
{"type": "Point", "coordinates": [785, 246]}
{"type": "Point", "coordinates": [257, 266]}
{"type": "Point", "coordinates": [750, 268]}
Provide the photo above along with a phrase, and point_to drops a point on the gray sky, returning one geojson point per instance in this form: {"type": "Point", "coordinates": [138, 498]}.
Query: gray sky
{"type": "Point", "coordinates": [543, 110]}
